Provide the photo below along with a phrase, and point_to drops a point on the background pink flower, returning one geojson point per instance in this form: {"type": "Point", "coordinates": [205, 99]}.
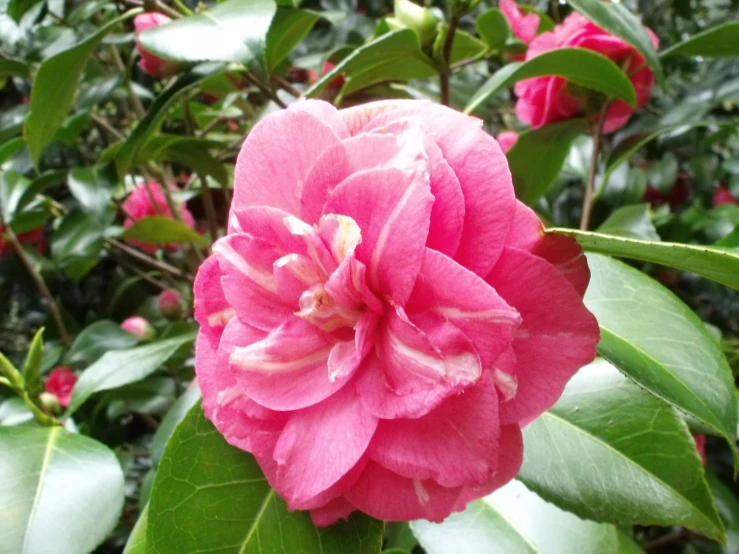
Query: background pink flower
{"type": "Point", "coordinates": [545, 100]}
{"type": "Point", "coordinates": [147, 200]}
{"type": "Point", "coordinates": [506, 140]}
{"type": "Point", "coordinates": [34, 237]}
{"type": "Point", "coordinates": [722, 195]}
{"type": "Point", "coordinates": [524, 26]}
{"type": "Point", "coordinates": [60, 383]}
{"type": "Point", "coordinates": [150, 63]}
{"type": "Point", "coordinates": [383, 314]}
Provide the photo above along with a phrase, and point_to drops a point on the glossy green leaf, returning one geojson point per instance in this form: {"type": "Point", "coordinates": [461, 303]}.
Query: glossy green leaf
{"type": "Point", "coordinates": [492, 27]}
{"type": "Point", "coordinates": [169, 422]}
{"type": "Point", "coordinates": [712, 262]}
{"type": "Point", "coordinates": [158, 229]}
{"type": "Point", "coordinates": [147, 125]}
{"type": "Point", "coordinates": [136, 543]}
{"type": "Point", "coordinates": [56, 486]}
{"type": "Point", "coordinates": [720, 42]}
{"type": "Point", "coordinates": [537, 157]}
{"type": "Point", "coordinates": [97, 339]}
{"type": "Point", "coordinates": [32, 366]}
{"type": "Point", "coordinates": [209, 496]}
{"type": "Point", "coordinates": [92, 187]}
{"type": "Point", "coordinates": [233, 31]}
{"type": "Point", "coordinates": [515, 520]}
{"type": "Point", "coordinates": [651, 336]}
{"type": "Point", "coordinates": [288, 28]}
{"type": "Point", "coordinates": [578, 65]}
{"type": "Point", "coordinates": [728, 508]}
{"type": "Point", "coordinates": [54, 88]}
{"type": "Point", "coordinates": [121, 367]}
{"type": "Point", "coordinates": [77, 242]}
{"type": "Point", "coordinates": [395, 56]}
{"type": "Point", "coordinates": [634, 221]}
{"type": "Point", "coordinates": [617, 20]}
{"type": "Point", "coordinates": [627, 545]}
{"type": "Point", "coordinates": [604, 443]}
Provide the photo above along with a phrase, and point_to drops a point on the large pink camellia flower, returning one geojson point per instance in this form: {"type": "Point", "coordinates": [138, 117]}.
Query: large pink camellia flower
{"type": "Point", "coordinates": [146, 200]}
{"type": "Point", "coordinates": [544, 100]}
{"type": "Point", "coordinates": [383, 315]}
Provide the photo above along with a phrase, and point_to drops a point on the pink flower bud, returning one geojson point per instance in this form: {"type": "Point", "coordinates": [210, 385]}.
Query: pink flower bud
{"type": "Point", "coordinates": [60, 383]}
{"type": "Point", "coordinates": [138, 326]}
{"type": "Point", "coordinates": [723, 196]}
{"type": "Point", "coordinates": [506, 140]}
{"type": "Point", "coordinates": [170, 305]}
{"type": "Point", "coordinates": [150, 63]}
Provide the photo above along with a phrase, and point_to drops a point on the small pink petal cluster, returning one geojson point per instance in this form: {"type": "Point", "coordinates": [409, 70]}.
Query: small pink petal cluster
{"type": "Point", "coordinates": [523, 25]}
{"type": "Point", "coordinates": [383, 315]}
{"type": "Point", "coordinates": [170, 304]}
{"type": "Point", "coordinates": [722, 196]}
{"type": "Point", "coordinates": [506, 140]}
{"type": "Point", "coordinates": [146, 200]}
{"type": "Point", "coordinates": [150, 63]}
{"type": "Point", "coordinates": [138, 326]}
{"type": "Point", "coordinates": [544, 100]}
{"type": "Point", "coordinates": [60, 383]}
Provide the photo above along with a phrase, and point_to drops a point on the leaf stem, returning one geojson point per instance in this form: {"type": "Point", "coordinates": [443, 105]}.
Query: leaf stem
{"type": "Point", "coordinates": [588, 201]}
{"type": "Point", "coordinates": [445, 69]}
{"type": "Point", "coordinates": [140, 256]}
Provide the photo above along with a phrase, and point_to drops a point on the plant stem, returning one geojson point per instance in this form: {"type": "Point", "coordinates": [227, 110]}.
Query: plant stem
{"type": "Point", "coordinates": [264, 88]}
{"type": "Point", "coordinates": [161, 7]}
{"type": "Point", "coordinates": [39, 282]}
{"type": "Point", "coordinates": [135, 254]}
{"type": "Point", "coordinates": [210, 208]}
{"type": "Point", "coordinates": [445, 69]}
{"type": "Point", "coordinates": [39, 415]}
{"type": "Point", "coordinates": [287, 86]}
{"type": "Point", "coordinates": [587, 205]}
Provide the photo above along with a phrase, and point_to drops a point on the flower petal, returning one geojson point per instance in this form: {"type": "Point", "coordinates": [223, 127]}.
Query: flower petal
{"type": "Point", "coordinates": [333, 511]}
{"type": "Point", "coordinates": [556, 338]}
{"type": "Point", "coordinates": [320, 444]}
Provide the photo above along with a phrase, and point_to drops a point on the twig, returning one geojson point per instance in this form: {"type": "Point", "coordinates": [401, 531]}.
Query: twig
{"type": "Point", "coordinates": [161, 7]}
{"type": "Point", "coordinates": [287, 86]}
{"type": "Point", "coordinates": [444, 69]}
{"type": "Point", "coordinates": [264, 88]}
{"type": "Point", "coordinates": [587, 205]}
{"type": "Point", "coordinates": [133, 253]}
{"type": "Point", "coordinates": [115, 133]}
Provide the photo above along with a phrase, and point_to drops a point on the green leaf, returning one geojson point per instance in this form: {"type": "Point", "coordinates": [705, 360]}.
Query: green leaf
{"type": "Point", "coordinates": [147, 125]}
{"type": "Point", "coordinates": [720, 42]}
{"type": "Point", "coordinates": [56, 484]}
{"type": "Point", "coordinates": [54, 88]}
{"type": "Point", "coordinates": [712, 262]}
{"type": "Point", "coordinates": [175, 414]}
{"type": "Point", "coordinates": [633, 221]}
{"type": "Point", "coordinates": [619, 21]}
{"type": "Point", "coordinates": [515, 520]}
{"type": "Point", "coordinates": [728, 509]}
{"type": "Point", "coordinates": [288, 28]}
{"type": "Point", "coordinates": [209, 496]}
{"type": "Point", "coordinates": [121, 367]}
{"type": "Point", "coordinates": [77, 242]}
{"type": "Point", "coordinates": [136, 543]}
{"type": "Point", "coordinates": [578, 65]}
{"type": "Point", "coordinates": [604, 443]}
{"type": "Point", "coordinates": [92, 187]}
{"type": "Point", "coordinates": [492, 27]}
{"type": "Point", "coordinates": [650, 335]}
{"type": "Point", "coordinates": [97, 339]}
{"type": "Point", "coordinates": [32, 366]}
{"type": "Point", "coordinates": [538, 155]}
{"type": "Point", "coordinates": [395, 56]}
{"type": "Point", "coordinates": [626, 545]}
{"type": "Point", "coordinates": [158, 229]}
{"type": "Point", "coordinates": [233, 31]}
{"type": "Point", "coordinates": [13, 68]}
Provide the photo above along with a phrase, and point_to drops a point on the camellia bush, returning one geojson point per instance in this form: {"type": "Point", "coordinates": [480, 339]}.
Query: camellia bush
{"type": "Point", "coordinates": [362, 277]}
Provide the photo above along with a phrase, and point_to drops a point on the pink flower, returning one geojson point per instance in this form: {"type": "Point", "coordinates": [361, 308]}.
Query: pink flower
{"type": "Point", "coordinates": [700, 446]}
{"type": "Point", "coordinates": [545, 100]}
{"type": "Point", "coordinates": [524, 26]}
{"type": "Point", "coordinates": [60, 383]}
{"type": "Point", "coordinates": [722, 196]}
{"type": "Point", "coordinates": [506, 140]}
{"type": "Point", "coordinates": [34, 237]}
{"type": "Point", "coordinates": [383, 315]}
{"type": "Point", "coordinates": [147, 200]}
{"type": "Point", "coordinates": [150, 63]}
{"type": "Point", "coordinates": [169, 304]}
{"type": "Point", "coordinates": [138, 326]}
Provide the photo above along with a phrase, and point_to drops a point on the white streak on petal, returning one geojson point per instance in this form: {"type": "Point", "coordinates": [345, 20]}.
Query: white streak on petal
{"type": "Point", "coordinates": [262, 278]}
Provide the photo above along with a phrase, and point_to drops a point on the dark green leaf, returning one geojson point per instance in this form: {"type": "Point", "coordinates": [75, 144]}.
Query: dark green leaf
{"type": "Point", "coordinates": [209, 496]}
{"type": "Point", "coordinates": [97, 339]}
{"type": "Point", "coordinates": [578, 65]}
{"type": "Point", "coordinates": [617, 20]}
{"type": "Point", "coordinates": [715, 263]}
{"type": "Point", "coordinates": [538, 155]}
{"type": "Point", "coordinates": [136, 543]}
{"type": "Point", "coordinates": [633, 221]}
{"type": "Point", "coordinates": [650, 335]}
{"type": "Point", "coordinates": [604, 443]}
{"type": "Point", "coordinates": [92, 187]}
{"type": "Point", "coordinates": [56, 484]}
{"type": "Point", "coordinates": [492, 27]}
{"type": "Point", "coordinates": [13, 68]}
{"type": "Point", "coordinates": [121, 367]}
{"type": "Point", "coordinates": [233, 31]}
{"type": "Point", "coordinates": [175, 414]}
{"type": "Point", "coordinates": [719, 42]}
{"type": "Point", "coordinates": [514, 519]}
{"type": "Point", "coordinates": [77, 243]}
{"type": "Point", "coordinates": [395, 56]}
{"type": "Point", "coordinates": [728, 509]}
{"type": "Point", "coordinates": [288, 28]}
{"type": "Point", "coordinates": [54, 88]}
{"type": "Point", "coordinates": [32, 367]}
{"type": "Point", "coordinates": [158, 229]}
